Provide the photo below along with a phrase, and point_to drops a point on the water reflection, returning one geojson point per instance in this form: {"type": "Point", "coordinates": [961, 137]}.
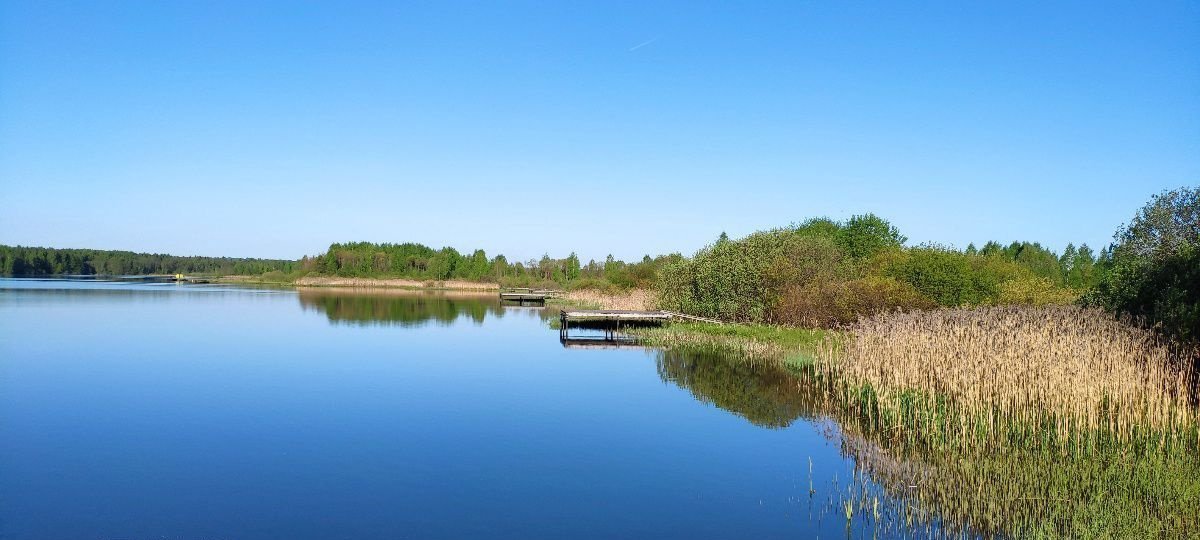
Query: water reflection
{"type": "Point", "coordinates": [399, 308]}
{"type": "Point", "coordinates": [765, 394]}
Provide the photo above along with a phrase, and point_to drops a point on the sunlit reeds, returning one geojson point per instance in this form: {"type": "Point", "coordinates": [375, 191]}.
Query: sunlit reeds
{"type": "Point", "coordinates": [633, 299]}
{"type": "Point", "coordinates": [1063, 374]}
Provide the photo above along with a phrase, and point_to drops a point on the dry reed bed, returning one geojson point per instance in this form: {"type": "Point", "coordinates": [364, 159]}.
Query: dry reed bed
{"type": "Point", "coordinates": [1078, 369]}
{"type": "Point", "coordinates": [635, 299]}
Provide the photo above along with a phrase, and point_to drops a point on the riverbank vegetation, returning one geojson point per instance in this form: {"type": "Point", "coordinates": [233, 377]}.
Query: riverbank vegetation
{"type": "Point", "coordinates": [990, 390]}
{"type": "Point", "coordinates": [790, 346]}
{"type": "Point", "coordinates": [823, 273]}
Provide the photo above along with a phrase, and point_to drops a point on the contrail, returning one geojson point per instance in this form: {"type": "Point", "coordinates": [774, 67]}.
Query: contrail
{"type": "Point", "coordinates": [643, 44]}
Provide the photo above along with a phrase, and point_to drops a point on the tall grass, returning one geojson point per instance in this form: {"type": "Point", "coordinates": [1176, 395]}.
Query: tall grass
{"type": "Point", "coordinates": [1063, 375]}
{"type": "Point", "coordinates": [633, 299]}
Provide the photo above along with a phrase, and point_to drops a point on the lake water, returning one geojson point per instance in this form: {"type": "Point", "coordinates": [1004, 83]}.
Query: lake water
{"type": "Point", "coordinates": [164, 411]}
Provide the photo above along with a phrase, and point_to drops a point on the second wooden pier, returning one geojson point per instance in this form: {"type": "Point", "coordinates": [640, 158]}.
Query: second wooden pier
{"type": "Point", "coordinates": [525, 295]}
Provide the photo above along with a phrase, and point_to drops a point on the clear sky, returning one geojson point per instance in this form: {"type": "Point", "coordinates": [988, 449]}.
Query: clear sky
{"type": "Point", "coordinates": [273, 129]}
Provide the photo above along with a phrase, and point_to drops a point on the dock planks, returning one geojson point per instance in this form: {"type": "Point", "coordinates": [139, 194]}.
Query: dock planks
{"type": "Point", "coordinates": [522, 295]}
{"type": "Point", "coordinates": [615, 315]}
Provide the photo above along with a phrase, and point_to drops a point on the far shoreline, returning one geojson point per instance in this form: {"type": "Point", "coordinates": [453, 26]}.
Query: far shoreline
{"type": "Point", "coordinates": [372, 283]}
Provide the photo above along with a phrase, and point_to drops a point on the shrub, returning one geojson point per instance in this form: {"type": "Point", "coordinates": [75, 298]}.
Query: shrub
{"type": "Point", "coordinates": [739, 280]}
{"type": "Point", "coordinates": [941, 274]}
{"type": "Point", "coordinates": [1034, 291]}
{"type": "Point", "coordinates": [826, 304]}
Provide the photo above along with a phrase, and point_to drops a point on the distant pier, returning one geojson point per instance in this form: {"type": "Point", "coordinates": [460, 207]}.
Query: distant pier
{"type": "Point", "coordinates": [524, 295]}
{"type": "Point", "coordinates": [180, 278]}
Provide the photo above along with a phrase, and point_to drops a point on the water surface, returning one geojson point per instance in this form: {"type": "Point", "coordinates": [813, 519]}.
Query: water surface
{"type": "Point", "coordinates": [143, 410]}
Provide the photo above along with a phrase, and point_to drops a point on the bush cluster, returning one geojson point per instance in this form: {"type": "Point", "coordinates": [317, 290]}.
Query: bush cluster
{"type": "Point", "coordinates": [823, 273]}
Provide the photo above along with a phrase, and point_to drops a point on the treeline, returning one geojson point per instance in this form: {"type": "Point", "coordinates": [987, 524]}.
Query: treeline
{"type": "Point", "coordinates": [823, 273]}
{"type": "Point", "coordinates": [1153, 273]}
{"type": "Point", "coordinates": [423, 263]}
{"type": "Point", "coordinates": [39, 261]}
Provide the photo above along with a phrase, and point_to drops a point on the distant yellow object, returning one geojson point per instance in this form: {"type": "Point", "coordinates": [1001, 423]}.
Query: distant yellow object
{"type": "Point", "coordinates": [178, 276]}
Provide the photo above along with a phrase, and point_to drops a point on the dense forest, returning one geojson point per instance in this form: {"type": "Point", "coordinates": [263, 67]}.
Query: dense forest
{"type": "Point", "coordinates": [38, 261]}
{"type": "Point", "coordinates": [415, 261]}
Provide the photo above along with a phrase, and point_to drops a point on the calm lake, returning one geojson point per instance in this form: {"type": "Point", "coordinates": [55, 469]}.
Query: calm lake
{"type": "Point", "coordinates": [164, 411]}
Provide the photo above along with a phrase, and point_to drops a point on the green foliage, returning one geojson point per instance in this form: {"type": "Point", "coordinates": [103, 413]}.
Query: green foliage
{"type": "Point", "coordinates": [732, 280]}
{"type": "Point", "coordinates": [1154, 272]}
{"type": "Point", "coordinates": [571, 268]}
{"type": "Point", "coordinates": [1034, 291]}
{"type": "Point", "coordinates": [419, 262]}
{"type": "Point", "coordinates": [866, 235]}
{"type": "Point", "coordinates": [39, 261]}
{"type": "Point", "coordinates": [824, 273]}
{"type": "Point", "coordinates": [831, 303]}
{"type": "Point", "coordinates": [820, 226]}
{"type": "Point", "coordinates": [943, 275]}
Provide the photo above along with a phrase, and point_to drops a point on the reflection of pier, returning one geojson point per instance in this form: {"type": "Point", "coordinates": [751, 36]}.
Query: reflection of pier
{"type": "Point", "coordinates": [608, 341]}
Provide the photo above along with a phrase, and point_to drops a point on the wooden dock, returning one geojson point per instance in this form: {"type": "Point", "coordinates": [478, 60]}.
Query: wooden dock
{"type": "Point", "coordinates": [180, 278]}
{"type": "Point", "coordinates": [611, 321]}
{"type": "Point", "coordinates": [616, 316]}
{"type": "Point", "coordinates": [525, 295]}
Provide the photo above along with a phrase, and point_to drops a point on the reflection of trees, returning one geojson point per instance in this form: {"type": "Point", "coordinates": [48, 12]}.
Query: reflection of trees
{"type": "Point", "coordinates": [765, 394]}
{"type": "Point", "coordinates": [401, 309]}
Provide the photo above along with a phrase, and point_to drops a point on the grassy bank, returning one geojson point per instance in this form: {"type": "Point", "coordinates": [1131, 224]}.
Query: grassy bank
{"type": "Point", "coordinates": [793, 347]}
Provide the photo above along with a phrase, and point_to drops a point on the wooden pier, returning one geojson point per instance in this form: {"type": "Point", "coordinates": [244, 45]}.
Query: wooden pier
{"type": "Point", "coordinates": [611, 321]}
{"type": "Point", "coordinates": [525, 295]}
{"type": "Point", "coordinates": [616, 316]}
{"type": "Point", "coordinates": [180, 278]}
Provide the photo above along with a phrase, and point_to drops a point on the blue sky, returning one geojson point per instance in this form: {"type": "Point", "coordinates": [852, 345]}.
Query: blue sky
{"type": "Point", "coordinates": [274, 129]}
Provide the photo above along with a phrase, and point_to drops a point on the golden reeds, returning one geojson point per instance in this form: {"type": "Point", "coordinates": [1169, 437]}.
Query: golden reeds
{"type": "Point", "coordinates": [633, 299]}
{"type": "Point", "coordinates": [1061, 368]}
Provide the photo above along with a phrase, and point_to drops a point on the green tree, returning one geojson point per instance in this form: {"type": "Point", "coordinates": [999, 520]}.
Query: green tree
{"type": "Point", "coordinates": [571, 267]}
{"type": "Point", "coordinates": [864, 236]}
{"type": "Point", "coordinates": [1154, 272]}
